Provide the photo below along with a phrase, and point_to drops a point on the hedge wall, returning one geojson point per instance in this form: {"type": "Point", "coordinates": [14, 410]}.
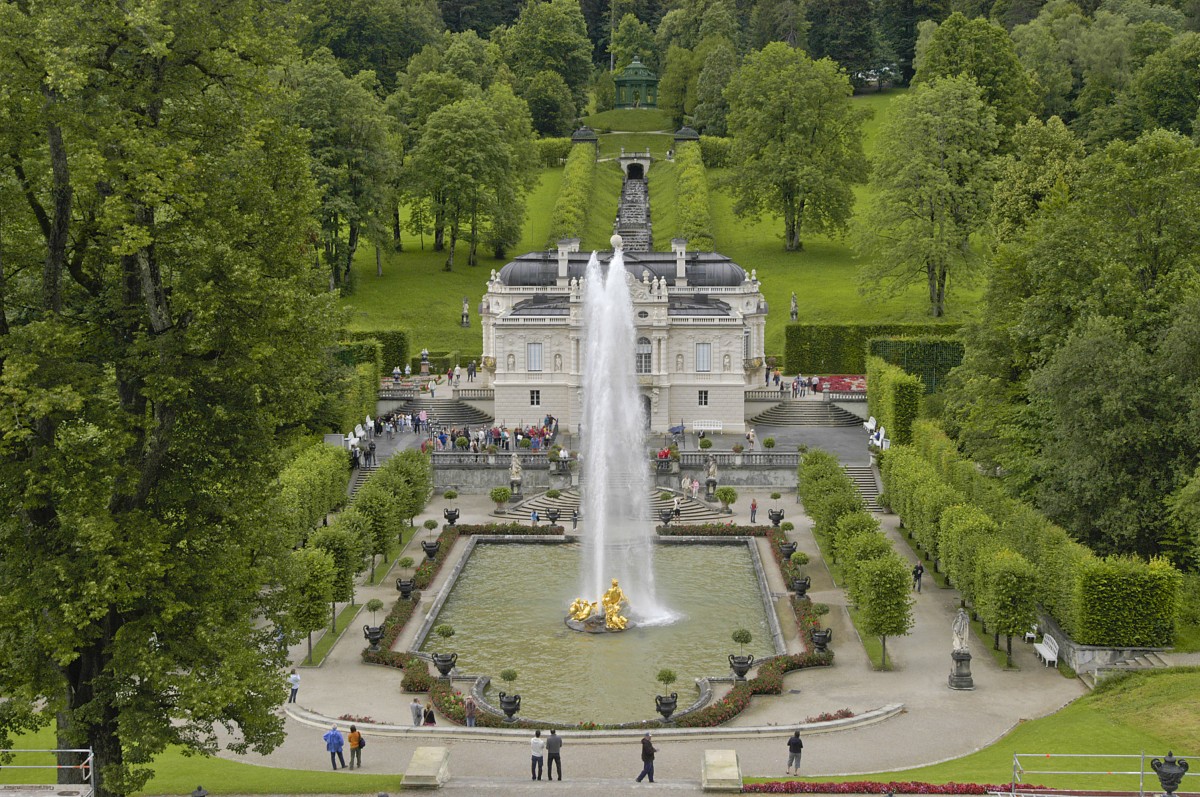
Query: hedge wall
{"type": "Point", "coordinates": [360, 395]}
{"type": "Point", "coordinates": [842, 348]}
{"type": "Point", "coordinates": [1114, 602]}
{"type": "Point", "coordinates": [692, 216]}
{"type": "Point", "coordinates": [310, 487]}
{"type": "Point", "coordinates": [569, 216]}
{"type": "Point", "coordinates": [929, 358]}
{"type": "Point", "coordinates": [394, 343]}
{"type": "Point", "coordinates": [441, 361]}
{"type": "Point", "coordinates": [364, 350]}
{"type": "Point", "coordinates": [551, 152]}
{"type": "Point", "coordinates": [894, 398]}
{"type": "Point", "coordinates": [715, 151]}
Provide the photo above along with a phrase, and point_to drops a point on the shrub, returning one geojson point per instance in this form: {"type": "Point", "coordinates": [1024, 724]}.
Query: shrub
{"type": "Point", "coordinates": [894, 398]}
{"type": "Point", "coordinates": [727, 496]}
{"type": "Point", "coordinates": [928, 358]}
{"type": "Point", "coordinates": [705, 443]}
{"type": "Point", "coordinates": [769, 442]}
{"type": "Point", "coordinates": [666, 677]}
{"type": "Point", "coordinates": [500, 495]}
{"type": "Point", "coordinates": [569, 217]}
{"type": "Point", "coordinates": [393, 345]}
{"type": "Point", "coordinates": [842, 348]}
{"type": "Point", "coordinates": [691, 204]}
{"type": "Point", "coordinates": [738, 448]}
{"type": "Point", "coordinates": [450, 495]}
{"type": "Point", "coordinates": [714, 151]}
{"type": "Point", "coordinates": [553, 494]}
{"type": "Point", "coordinates": [553, 152]}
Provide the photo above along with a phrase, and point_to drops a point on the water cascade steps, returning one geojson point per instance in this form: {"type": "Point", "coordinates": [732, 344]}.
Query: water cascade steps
{"type": "Point", "coordinates": [691, 511]}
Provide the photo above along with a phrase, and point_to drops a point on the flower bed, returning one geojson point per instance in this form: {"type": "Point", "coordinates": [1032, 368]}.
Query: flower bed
{"type": "Point", "coordinates": [876, 787]}
{"type": "Point", "coordinates": [714, 530]}
{"type": "Point", "coordinates": [509, 529]}
{"type": "Point", "coordinates": [857, 382]}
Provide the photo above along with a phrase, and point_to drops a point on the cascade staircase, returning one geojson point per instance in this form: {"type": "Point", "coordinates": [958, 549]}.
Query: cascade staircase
{"type": "Point", "coordinates": [448, 412]}
{"type": "Point", "coordinates": [801, 412]}
{"type": "Point", "coordinates": [633, 216]}
{"type": "Point", "coordinates": [864, 479]}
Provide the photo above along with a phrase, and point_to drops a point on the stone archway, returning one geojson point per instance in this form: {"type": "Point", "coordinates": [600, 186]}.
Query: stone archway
{"type": "Point", "coordinates": [636, 172]}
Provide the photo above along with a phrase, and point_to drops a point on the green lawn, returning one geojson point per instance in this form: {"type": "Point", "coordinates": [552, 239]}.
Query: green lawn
{"type": "Point", "coordinates": [602, 212]}
{"type": "Point", "coordinates": [658, 144]}
{"type": "Point", "coordinates": [641, 120]}
{"type": "Point", "coordinates": [664, 204]}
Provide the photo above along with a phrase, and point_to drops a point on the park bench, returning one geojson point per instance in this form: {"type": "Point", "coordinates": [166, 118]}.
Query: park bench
{"type": "Point", "coordinates": [1031, 634]}
{"type": "Point", "coordinates": [707, 426]}
{"type": "Point", "coordinates": [1047, 650]}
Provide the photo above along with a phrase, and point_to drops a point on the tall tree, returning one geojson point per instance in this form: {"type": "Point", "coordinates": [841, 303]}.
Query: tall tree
{"type": "Point", "coordinates": [844, 30]}
{"type": "Point", "coordinates": [797, 141]}
{"type": "Point", "coordinates": [931, 187]}
{"type": "Point", "coordinates": [886, 599]}
{"type": "Point", "coordinates": [712, 108]}
{"type": "Point", "coordinates": [977, 49]}
{"type": "Point", "coordinates": [1043, 157]}
{"type": "Point", "coordinates": [550, 35]}
{"type": "Point", "coordinates": [633, 39]}
{"type": "Point", "coordinates": [373, 35]}
{"type": "Point", "coordinates": [175, 328]}
{"type": "Point", "coordinates": [309, 591]}
{"type": "Point", "coordinates": [351, 156]}
{"type": "Point", "coordinates": [898, 20]}
{"type": "Point", "coordinates": [677, 84]}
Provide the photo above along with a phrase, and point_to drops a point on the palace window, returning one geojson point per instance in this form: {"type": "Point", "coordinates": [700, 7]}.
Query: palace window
{"type": "Point", "coordinates": [703, 357]}
{"type": "Point", "coordinates": [642, 356]}
{"type": "Point", "coordinates": [533, 356]}
{"type": "Point", "coordinates": [702, 400]}
{"type": "Point", "coordinates": [535, 398]}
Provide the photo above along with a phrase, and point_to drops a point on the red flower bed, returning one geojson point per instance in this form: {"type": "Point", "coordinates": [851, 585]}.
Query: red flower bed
{"type": "Point", "coordinates": [843, 382]}
{"type": "Point", "coordinates": [875, 787]}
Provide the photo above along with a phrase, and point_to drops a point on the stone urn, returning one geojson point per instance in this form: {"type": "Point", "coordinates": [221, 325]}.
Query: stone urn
{"type": "Point", "coordinates": [451, 515]}
{"type": "Point", "coordinates": [800, 586]}
{"type": "Point", "coordinates": [776, 516]}
{"type": "Point", "coordinates": [822, 639]}
{"type": "Point", "coordinates": [445, 662]}
{"type": "Point", "coordinates": [787, 549]}
{"type": "Point", "coordinates": [510, 705]}
{"type": "Point", "coordinates": [1170, 771]}
{"type": "Point", "coordinates": [431, 547]}
{"type": "Point", "coordinates": [665, 516]}
{"type": "Point", "coordinates": [553, 515]}
{"type": "Point", "coordinates": [666, 704]}
{"type": "Point", "coordinates": [373, 633]}
{"type": "Point", "coordinates": [406, 586]}
{"type": "Point", "coordinates": [741, 665]}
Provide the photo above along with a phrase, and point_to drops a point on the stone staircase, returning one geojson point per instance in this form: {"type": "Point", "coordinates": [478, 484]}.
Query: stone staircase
{"type": "Point", "coordinates": [360, 477]}
{"type": "Point", "coordinates": [864, 479]}
{"type": "Point", "coordinates": [690, 511]}
{"type": "Point", "coordinates": [806, 413]}
{"type": "Point", "coordinates": [448, 412]}
{"type": "Point", "coordinates": [633, 216]}
{"type": "Point", "coordinates": [1145, 661]}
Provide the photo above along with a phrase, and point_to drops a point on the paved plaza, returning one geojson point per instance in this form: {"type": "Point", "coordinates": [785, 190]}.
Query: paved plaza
{"type": "Point", "coordinates": [934, 724]}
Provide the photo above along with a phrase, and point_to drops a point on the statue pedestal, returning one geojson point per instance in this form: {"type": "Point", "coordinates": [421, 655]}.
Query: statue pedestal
{"type": "Point", "coordinates": [425, 368]}
{"type": "Point", "coordinates": [710, 493]}
{"type": "Point", "coordinates": [515, 486]}
{"type": "Point", "coordinates": [960, 676]}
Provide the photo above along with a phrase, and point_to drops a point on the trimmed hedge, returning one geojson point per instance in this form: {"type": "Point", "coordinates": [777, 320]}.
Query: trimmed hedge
{"type": "Point", "coordinates": [394, 343]}
{"type": "Point", "coordinates": [693, 218]}
{"type": "Point", "coordinates": [842, 348]}
{"type": "Point", "coordinates": [362, 350]}
{"type": "Point", "coordinates": [360, 395]}
{"type": "Point", "coordinates": [715, 151]}
{"type": "Point", "coordinates": [310, 487]}
{"type": "Point", "coordinates": [1114, 602]}
{"type": "Point", "coordinates": [552, 152]}
{"type": "Point", "coordinates": [569, 217]}
{"type": "Point", "coordinates": [927, 357]}
{"type": "Point", "coordinates": [894, 398]}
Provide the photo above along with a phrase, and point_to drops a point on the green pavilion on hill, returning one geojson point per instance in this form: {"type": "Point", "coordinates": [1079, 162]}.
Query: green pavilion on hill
{"type": "Point", "coordinates": [637, 86]}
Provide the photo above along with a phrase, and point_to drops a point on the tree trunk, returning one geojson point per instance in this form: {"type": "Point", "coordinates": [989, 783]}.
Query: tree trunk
{"type": "Point", "coordinates": [453, 243]}
{"type": "Point", "coordinates": [883, 664]}
{"type": "Point", "coordinates": [56, 242]}
{"type": "Point", "coordinates": [397, 244]}
{"type": "Point", "coordinates": [378, 262]}
{"type": "Point", "coordinates": [310, 647]}
{"type": "Point", "coordinates": [1009, 662]}
{"type": "Point", "coordinates": [939, 307]}
{"type": "Point", "coordinates": [333, 616]}
{"type": "Point", "coordinates": [474, 236]}
{"type": "Point", "coordinates": [996, 641]}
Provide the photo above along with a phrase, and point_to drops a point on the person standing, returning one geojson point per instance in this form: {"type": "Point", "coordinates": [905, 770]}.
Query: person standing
{"type": "Point", "coordinates": [469, 711]}
{"type": "Point", "coordinates": [553, 755]}
{"type": "Point", "coordinates": [917, 571]}
{"type": "Point", "coordinates": [294, 683]}
{"type": "Point", "coordinates": [795, 746]}
{"type": "Point", "coordinates": [753, 509]}
{"type": "Point", "coordinates": [354, 739]}
{"type": "Point", "coordinates": [417, 713]}
{"type": "Point", "coordinates": [333, 743]}
{"type": "Point", "coordinates": [538, 749]}
{"type": "Point", "coordinates": [574, 518]}
{"type": "Point", "coordinates": [430, 718]}
{"type": "Point", "coordinates": [648, 751]}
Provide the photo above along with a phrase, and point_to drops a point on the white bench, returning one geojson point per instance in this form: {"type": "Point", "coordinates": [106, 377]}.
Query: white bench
{"type": "Point", "coordinates": [869, 424]}
{"type": "Point", "coordinates": [1032, 634]}
{"type": "Point", "coordinates": [1047, 650]}
{"type": "Point", "coordinates": [707, 426]}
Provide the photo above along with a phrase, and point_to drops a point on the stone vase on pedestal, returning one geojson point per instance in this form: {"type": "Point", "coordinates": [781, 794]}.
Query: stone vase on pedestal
{"type": "Point", "coordinates": [960, 676]}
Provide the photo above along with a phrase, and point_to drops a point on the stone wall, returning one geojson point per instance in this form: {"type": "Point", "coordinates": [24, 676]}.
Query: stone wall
{"type": "Point", "coordinates": [1087, 658]}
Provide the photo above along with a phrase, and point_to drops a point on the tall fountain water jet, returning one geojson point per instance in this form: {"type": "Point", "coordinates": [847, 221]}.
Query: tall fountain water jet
{"type": "Point", "coordinates": [619, 542]}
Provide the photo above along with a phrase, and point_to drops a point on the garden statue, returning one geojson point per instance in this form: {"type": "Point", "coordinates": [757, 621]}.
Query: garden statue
{"type": "Point", "coordinates": [466, 312]}
{"type": "Point", "coordinates": [514, 469]}
{"type": "Point", "coordinates": [581, 609]}
{"type": "Point", "coordinates": [597, 617]}
{"type": "Point", "coordinates": [960, 629]}
{"type": "Point", "coordinates": [612, 601]}
{"type": "Point", "coordinates": [795, 307]}
{"type": "Point", "coordinates": [711, 468]}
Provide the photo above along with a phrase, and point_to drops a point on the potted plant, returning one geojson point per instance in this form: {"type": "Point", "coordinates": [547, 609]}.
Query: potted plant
{"type": "Point", "coordinates": [491, 453]}
{"type": "Point", "coordinates": [406, 585]}
{"type": "Point", "coordinates": [822, 639]}
{"type": "Point", "coordinates": [461, 443]}
{"type": "Point", "coordinates": [553, 494]}
{"type": "Point", "coordinates": [666, 704]}
{"type": "Point", "coordinates": [509, 704]}
{"type": "Point", "coordinates": [769, 442]}
{"type": "Point", "coordinates": [800, 582]}
{"type": "Point", "coordinates": [450, 495]}
{"type": "Point", "coordinates": [430, 546]}
{"type": "Point", "coordinates": [444, 661]}
{"type": "Point", "coordinates": [727, 496]}
{"type": "Point", "coordinates": [500, 496]}
{"type": "Point", "coordinates": [775, 513]}
{"type": "Point", "coordinates": [705, 443]}
{"type": "Point", "coordinates": [373, 633]}
{"type": "Point", "coordinates": [741, 664]}
{"type": "Point", "coordinates": [451, 515]}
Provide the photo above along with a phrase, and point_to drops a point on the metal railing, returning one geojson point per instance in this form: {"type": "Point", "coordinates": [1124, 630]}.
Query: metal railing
{"type": "Point", "coordinates": [1110, 767]}
{"type": "Point", "coordinates": [86, 765]}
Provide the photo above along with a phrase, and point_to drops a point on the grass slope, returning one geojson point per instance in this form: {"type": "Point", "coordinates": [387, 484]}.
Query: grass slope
{"type": "Point", "coordinates": [415, 293]}
{"type": "Point", "coordinates": [640, 120]}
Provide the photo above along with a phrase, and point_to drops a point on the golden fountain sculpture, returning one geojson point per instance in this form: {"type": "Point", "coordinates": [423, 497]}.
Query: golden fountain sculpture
{"type": "Point", "coordinates": [588, 614]}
